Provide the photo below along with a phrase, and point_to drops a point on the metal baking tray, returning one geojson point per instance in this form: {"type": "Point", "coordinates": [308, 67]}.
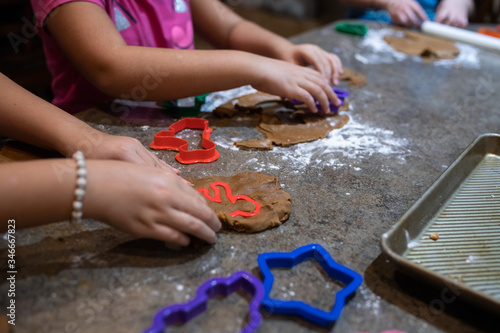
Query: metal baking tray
{"type": "Point", "coordinates": [463, 206]}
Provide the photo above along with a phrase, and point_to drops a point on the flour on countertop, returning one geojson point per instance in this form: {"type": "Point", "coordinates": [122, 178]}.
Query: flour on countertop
{"type": "Point", "coordinates": [343, 147]}
{"type": "Point", "coordinates": [375, 50]}
{"type": "Point", "coordinates": [353, 142]}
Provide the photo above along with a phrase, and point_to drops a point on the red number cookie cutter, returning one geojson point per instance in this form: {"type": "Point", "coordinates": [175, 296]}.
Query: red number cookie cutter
{"type": "Point", "coordinates": [233, 199]}
{"type": "Point", "coordinates": [167, 140]}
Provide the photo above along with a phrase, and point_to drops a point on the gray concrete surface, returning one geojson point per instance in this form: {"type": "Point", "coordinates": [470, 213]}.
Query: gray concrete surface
{"type": "Point", "coordinates": [407, 125]}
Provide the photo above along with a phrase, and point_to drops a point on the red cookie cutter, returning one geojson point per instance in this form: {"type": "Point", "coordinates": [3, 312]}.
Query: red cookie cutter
{"type": "Point", "coordinates": [167, 140]}
{"type": "Point", "coordinates": [233, 199]}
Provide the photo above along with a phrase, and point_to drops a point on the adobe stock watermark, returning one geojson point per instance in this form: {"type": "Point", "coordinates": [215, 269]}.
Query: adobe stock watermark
{"type": "Point", "coordinates": [11, 272]}
{"type": "Point", "coordinates": [28, 31]}
{"type": "Point", "coordinates": [437, 306]}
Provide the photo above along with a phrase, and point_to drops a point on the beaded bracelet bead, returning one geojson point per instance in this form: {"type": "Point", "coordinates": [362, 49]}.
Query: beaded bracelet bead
{"type": "Point", "coordinates": [81, 183]}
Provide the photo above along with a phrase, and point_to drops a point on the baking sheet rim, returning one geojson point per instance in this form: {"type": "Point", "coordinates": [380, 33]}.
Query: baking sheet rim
{"type": "Point", "coordinates": [475, 296]}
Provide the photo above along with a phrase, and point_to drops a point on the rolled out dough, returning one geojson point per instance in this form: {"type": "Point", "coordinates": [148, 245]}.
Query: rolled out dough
{"type": "Point", "coordinates": [355, 79]}
{"type": "Point", "coordinates": [275, 203]}
{"type": "Point", "coordinates": [282, 128]}
{"type": "Point", "coordinates": [311, 128]}
{"type": "Point", "coordinates": [429, 48]}
{"type": "Point", "coordinates": [249, 103]}
{"type": "Point", "coordinates": [256, 144]}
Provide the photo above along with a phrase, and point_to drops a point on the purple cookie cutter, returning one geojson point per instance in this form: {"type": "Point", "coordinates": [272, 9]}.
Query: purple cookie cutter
{"type": "Point", "coordinates": [181, 313]}
{"type": "Point", "coordinates": [341, 94]}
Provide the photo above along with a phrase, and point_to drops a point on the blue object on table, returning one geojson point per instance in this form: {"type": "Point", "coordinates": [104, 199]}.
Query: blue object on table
{"type": "Point", "coordinates": [341, 94]}
{"type": "Point", "coordinates": [350, 278]}
{"type": "Point", "coordinates": [220, 286]}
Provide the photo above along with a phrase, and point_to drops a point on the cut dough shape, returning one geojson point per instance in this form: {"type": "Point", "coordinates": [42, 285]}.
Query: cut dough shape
{"type": "Point", "coordinates": [283, 128]}
{"type": "Point", "coordinates": [429, 48]}
{"type": "Point", "coordinates": [355, 79]}
{"type": "Point", "coordinates": [313, 128]}
{"type": "Point", "coordinates": [256, 144]}
{"type": "Point", "coordinates": [275, 203]}
{"type": "Point", "coordinates": [249, 103]}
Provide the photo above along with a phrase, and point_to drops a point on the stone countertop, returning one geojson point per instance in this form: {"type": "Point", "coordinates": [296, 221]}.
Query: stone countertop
{"type": "Point", "coordinates": [408, 124]}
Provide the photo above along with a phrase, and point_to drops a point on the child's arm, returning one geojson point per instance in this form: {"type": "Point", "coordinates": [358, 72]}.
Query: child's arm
{"type": "Point", "coordinates": [403, 12]}
{"type": "Point", "coordinates": [225, 29]}
{"type": "Point", "coordinates": [143, 201]}
{"type": "Point", "coordinates": [91, 41]}
{"type": "Point", "coordinates": [454, 13]}
{"type": "Point", "coordinates": [25, 117]}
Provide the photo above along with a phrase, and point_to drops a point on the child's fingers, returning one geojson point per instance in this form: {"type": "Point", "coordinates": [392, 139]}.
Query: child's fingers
{"type": "Point", "coordinates": [336, 64]}
{"type": "Point", "coordinates": [193, 203]}
{"type": "Point", "coordinates": [322, 64]}
{"type": "Point", "coordinates": [169, 235]}
{"type": "Point", "coordinates": [420, 12]}
{"type": "Point", "coordinates": [332, 96]}
{"type": "Point", "coordinates": [189, 224]}
{"type": "Point", "coordinates": [162, 164]}
{"type": "Point", "coordinates": [173, 246]}
{"type": "Point", "coordinates": [319, 94]}
{"type": "Point", "coordinates": [305, 97]}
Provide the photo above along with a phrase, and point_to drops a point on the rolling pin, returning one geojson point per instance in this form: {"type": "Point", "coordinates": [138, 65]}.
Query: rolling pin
{"type": "Point", "coordinates": [460, 35]}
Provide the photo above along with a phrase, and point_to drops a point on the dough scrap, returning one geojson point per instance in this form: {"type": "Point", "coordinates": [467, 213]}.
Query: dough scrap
{"type": "Point", "coordinates": [249, 103]}
{"type": "Point", "coordinates": [256, 144]}
{"type": "Point", "coordinates": [275, 203]}
{"type": "Point", "coordinates": [312, 128]}
{"type": "Point", "coordinates": [283, 128]}
{"type": "Point", "coordinates": [429, 48]}
{"type": "Point", "coordinates": [355, 79]}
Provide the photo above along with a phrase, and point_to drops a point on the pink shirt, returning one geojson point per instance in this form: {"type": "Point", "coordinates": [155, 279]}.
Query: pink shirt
{"type": "Point", "coordinates": [152, 23]}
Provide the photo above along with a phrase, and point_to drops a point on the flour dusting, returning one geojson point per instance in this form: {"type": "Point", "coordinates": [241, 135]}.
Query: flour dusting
{"type": "Point", "coordinates": [375, 50]}
{"type": "Point", "coordinates": [345, 147]}
{"type": "Point", "coordinates": [354, 142]}
{"type": "Point", "coordinates": [370, 302]}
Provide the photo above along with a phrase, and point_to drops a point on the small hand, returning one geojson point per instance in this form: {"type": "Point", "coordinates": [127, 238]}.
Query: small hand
{"type": "Point", "coordinates": [326, 63]}
{"type": "Point", "coordinates": [122, 148]}
{"type": "Point", "coordinates": [406, 13]}
{"type": "Point", "coordinates": [147, 202]}
{"type": "Point", "coordinates": [304, 84]}
{"type": "Point", "coordinates": [454, 13]}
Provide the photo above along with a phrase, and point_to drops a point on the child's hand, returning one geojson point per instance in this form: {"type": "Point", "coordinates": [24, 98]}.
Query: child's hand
{"type": "Point", "coordinates": [408, 13]}
{"type": "Point", "coordinates": [454, 13]}
{"type": "Point", "coordinates": [123, 148]}
{"type": "Point", "coordinates": [326, 63]}
{"type": "Point", "coordinates": [147, 202]}
{"type": "Point", "coordinates": [304, 84]}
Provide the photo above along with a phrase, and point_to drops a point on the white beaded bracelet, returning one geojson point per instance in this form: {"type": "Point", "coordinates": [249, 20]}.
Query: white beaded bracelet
{"type": "Point", "coordinates": [81, 183]}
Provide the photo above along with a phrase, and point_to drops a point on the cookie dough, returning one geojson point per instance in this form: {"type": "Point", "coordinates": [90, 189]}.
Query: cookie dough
{"type": "Point", "coordinates": [355, 79]}
{"type": "Point", "coordinates": [275, 203]}
{"type": "Point", "coordinates": [284, 128]}
{"type": "Point", "coordinates": [311, 128]}
{"type": "Point", "coordinates": [249, 103]}
{"type": "Point", "coordinates": [256, 144]}
{"type": "Point", "coordinates": [429, 48]}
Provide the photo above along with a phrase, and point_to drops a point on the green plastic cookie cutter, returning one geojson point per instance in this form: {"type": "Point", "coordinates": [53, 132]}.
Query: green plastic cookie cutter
{"type": "Point", "coordinates": [186, 107]}
{"type": "Point", "coordinates": [352, 28]}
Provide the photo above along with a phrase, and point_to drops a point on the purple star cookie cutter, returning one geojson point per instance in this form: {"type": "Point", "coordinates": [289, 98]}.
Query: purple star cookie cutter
{"type": "Point", "coordinates": [341, 94]}
{"type": "Point", "coordinates": [350, 278]}
{"type": "Point", "coordinates": [181, 313]}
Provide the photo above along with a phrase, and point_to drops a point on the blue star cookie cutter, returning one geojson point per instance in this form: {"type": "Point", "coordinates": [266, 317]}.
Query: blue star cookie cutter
{"type": "Point", "coordinates": [181, 313]}
{"type": "Point", "coordinates": [350, 278]}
